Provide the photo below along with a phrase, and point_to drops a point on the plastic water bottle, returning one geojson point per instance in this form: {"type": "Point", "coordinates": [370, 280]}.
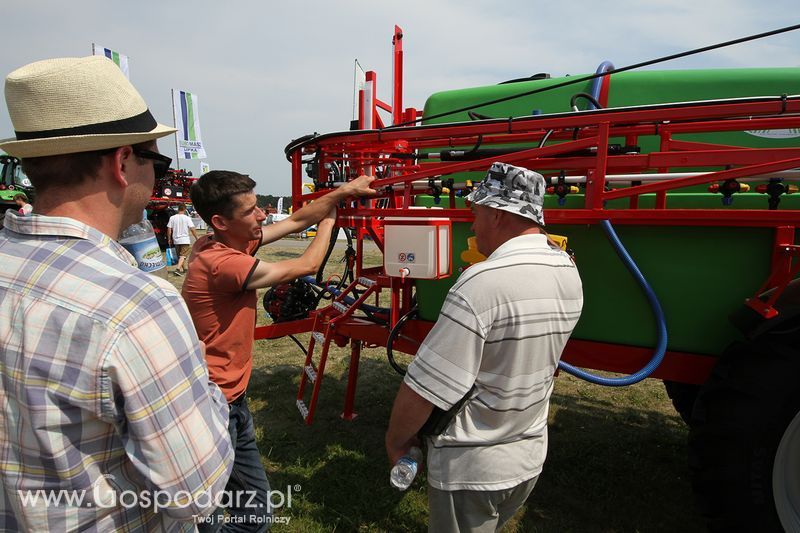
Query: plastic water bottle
{"type": "Point", "coordinates": [405, 470]}
{"type": "Point", "coordinates": [140, 240]}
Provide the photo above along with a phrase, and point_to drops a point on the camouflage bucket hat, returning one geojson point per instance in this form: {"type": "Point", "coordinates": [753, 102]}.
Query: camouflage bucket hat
{"type": "Point", "coordinates": [513, 189]}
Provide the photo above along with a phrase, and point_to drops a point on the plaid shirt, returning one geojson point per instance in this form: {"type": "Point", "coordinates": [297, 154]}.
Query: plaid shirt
{"type": "Point", "coordinates": [104, 394]}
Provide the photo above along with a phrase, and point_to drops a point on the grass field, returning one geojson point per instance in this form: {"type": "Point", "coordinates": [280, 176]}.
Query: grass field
{"type": "Point", "coordinates": [616, 462]}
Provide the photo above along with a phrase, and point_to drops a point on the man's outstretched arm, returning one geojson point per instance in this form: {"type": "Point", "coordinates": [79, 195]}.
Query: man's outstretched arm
{"type": "Point", "coordinates": [268, 274]}
{"type": "Point", "coordinates": [312, 213]}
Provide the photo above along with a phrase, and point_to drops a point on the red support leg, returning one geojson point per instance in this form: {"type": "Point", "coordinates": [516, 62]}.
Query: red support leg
{"type": "Point", "coordinates": [352, 379]}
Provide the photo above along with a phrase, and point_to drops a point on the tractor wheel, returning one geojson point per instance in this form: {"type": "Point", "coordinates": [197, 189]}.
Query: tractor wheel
{"type": "Point", "coordinates": [745, 414]}
{"type": "Point", "coordinates": [683, 396]}
{"type": "Point", "coordinates": [786, 477]}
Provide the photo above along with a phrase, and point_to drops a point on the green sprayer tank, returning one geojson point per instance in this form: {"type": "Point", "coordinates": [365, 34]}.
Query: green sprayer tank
{"type": "Point", "coordinates": [699, 274]}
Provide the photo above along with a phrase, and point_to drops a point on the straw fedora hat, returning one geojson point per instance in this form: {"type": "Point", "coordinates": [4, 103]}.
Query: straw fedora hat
{"type": "Point", "coordinates": [70, 105]}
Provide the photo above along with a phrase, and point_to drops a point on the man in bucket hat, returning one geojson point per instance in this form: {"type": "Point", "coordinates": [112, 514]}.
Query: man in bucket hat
{"type": "Point", "coordinates": [105, 403]}
{"type": "Point", "coordinates": [484, 374]}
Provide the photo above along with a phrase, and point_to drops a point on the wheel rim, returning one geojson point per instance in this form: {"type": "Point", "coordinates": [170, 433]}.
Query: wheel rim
{"type": "Point", "coordinates": [786, 477]}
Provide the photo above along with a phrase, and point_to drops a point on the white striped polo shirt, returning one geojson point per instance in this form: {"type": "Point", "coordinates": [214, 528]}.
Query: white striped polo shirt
{"type": "Point", "coordinates": [502, 328]}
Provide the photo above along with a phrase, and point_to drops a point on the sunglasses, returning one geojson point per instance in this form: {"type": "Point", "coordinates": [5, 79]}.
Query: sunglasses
{"type": "Point", "coordinates": [160, 162]}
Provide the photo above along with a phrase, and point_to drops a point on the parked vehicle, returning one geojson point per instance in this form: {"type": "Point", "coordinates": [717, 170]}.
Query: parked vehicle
{"type": "Point", "coordinates": [168, 192]}
{"type": "Point", "coordinates": [12, 182]}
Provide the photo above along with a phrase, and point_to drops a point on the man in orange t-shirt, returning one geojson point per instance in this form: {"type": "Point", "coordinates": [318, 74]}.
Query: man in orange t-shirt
{"type": "Point", "coordinates": [220, 291]}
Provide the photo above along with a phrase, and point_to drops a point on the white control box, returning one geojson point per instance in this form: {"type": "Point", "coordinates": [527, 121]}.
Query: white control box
{"type": "Point", "coordinates": [418, 248]}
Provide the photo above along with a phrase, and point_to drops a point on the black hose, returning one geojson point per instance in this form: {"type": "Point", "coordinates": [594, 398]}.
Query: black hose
{"type": "Point", "coordinates": [390, 341]}
{"type": "Point", "coordinates": [347, 275]}
{"type": "Point", "coordinates": [582, 79]}
{"type": "Point", "coordinates": [472, 154]}
{"type": "Point", "coordinates": [303, 348]}
{"type": "Point", "coordinates": [331, 245]}
{"type": "Point", "coordinates": [477, 116]}
{"type": "Point", "coordinates": [572, 105]}
{"type": "Point", "coordinates": [586, 96]}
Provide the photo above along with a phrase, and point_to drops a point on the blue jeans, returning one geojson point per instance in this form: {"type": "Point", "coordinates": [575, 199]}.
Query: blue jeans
{"type": "Point", "coordinates": [248, 489]}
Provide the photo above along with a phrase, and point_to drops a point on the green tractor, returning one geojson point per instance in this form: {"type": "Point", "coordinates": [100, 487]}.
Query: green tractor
{"type": "Point", "coordinates": [13, 181]}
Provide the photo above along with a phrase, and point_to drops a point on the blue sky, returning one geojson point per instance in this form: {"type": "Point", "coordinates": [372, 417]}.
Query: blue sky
{"type": "Point", "coordinates": [269, 72]}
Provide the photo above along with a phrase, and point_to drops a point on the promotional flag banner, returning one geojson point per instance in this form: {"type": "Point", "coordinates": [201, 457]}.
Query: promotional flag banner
{"type": "Point", "coordinates": [204, 167]}
{"type": "Point", "coordinates": [359, 84]}
{"type": "Point", "coordinates": [187, 122]}
{"type": "Point", "coordinates": [120, 59]}
{"type": "Point", "coordinates": [280, 205]}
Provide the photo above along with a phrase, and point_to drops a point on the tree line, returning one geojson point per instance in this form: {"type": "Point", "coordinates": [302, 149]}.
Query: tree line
{"type": "Point", "coordinates": [268, 200]}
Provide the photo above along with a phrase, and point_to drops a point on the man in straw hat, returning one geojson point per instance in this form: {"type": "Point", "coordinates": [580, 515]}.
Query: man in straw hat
{"type": "Point", "coordinates": [104, 394]}
{"type": "Point", "coordinates": [482, 378]}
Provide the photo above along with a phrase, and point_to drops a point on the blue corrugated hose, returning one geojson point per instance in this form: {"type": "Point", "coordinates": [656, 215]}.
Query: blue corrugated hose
{"type": "Point", "coordinates": [661, 324]}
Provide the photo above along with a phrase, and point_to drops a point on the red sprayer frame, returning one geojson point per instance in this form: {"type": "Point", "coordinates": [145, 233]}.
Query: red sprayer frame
{"type": "Point", "coordinates": [577, 144]}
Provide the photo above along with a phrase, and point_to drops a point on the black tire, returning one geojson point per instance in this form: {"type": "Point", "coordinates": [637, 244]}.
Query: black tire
{"type": "Point", "coordinates": [740, 416]}
{"type": "Point", "coordinates": [683, 396]}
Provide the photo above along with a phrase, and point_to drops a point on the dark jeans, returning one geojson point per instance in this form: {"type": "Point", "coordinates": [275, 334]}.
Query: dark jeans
{"type": "Point", "coordinates": [248, 488]}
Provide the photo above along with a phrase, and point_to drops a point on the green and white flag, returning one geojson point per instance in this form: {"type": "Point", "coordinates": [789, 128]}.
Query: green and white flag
{"type": "Point", "coordinates": [187, 122]}
{"type": "Point", "coordinates": [204, 167]}
{"type": "Point", "coordinates": [120, 59]}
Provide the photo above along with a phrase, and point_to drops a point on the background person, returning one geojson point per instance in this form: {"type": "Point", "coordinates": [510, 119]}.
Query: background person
{"type": "Point", "coordinates": [220, 290]}
{"type": "Point", "coordinates": [22, 202]}
{"type": "Point", "coordinates": [178, 229]}
{"type": "Point", "coordinates": [496, 345]}
{"type": "Point", "coordinates": [103, 386]}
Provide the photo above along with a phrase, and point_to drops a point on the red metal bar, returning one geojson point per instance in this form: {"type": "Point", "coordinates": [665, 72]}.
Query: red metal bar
{"type": "Point", "coordinates": [670, 114]}
{"type": "Point", "coordinates": [394, 314]}
{"type": "Point", "coordinates": [360, 232]}
{"type": "Point", "coordinates": [676, 366]}
{"type": "Point", "coordinates": [320, 371]}
{"type": "Point", "coordinates": [383, 105]}
{"type": "Point", "coordinates": [697, 146]}
{"type": "Point", "coordinates": [717, 158]}
{"type": "Point", "coordinates": [352, 378]}
{"type": "Point", "coordinates": [376, 335]}
{"type": "Point", "coordinates": [676, 217]}
{"type": "Point", "coordinates": [666, 139]}
{"type": "Point", "coordinates": [536, 132]}
{"type": "Point", "coordinates": [362, 107]}
{"type": "Point", "coordinates": [297, 180]}
{"type": "Point", "coordinates": [377, 236]}
{"type": "Point", "coordinates": [405, 303]}
{"type": "Point", "coordinates": [783, 256]}
{"type": "Point", "coordinates": [478, 164]}
{"type": "Point", "coordinates": [397, 78]}
{"type": "Point", "coordinates": [309, 360]}
{"type": "Point", "coordinates": [355, 305]}
{"type": "Point", "coordinates": [596, 183]}
{"type": "Point", "coordinates": [742, 172]}
{"type": "Point", "coordinates": [281, 329]}
{"type": "Point", "coordinates": [742, 124]}
{"type": "Point", "coordinates": [358, 216]}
